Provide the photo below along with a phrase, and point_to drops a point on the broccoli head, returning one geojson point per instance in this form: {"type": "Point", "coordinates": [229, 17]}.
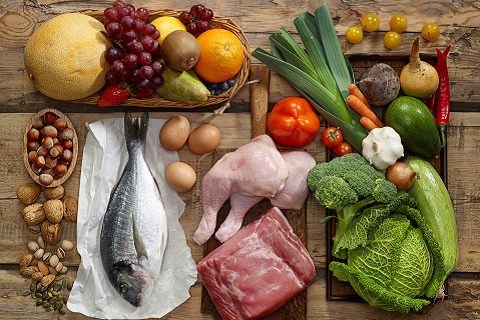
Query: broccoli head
{"type": "Point", "coordinates": [334, 192]}
{"type": "Point", "coordinates": [384, 191]}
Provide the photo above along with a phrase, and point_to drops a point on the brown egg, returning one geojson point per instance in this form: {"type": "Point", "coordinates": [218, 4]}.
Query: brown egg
{"type": "Point", "coordinates": [174, 133]}
{"type": "Point", "coordinates": [180, 176]}
{"type": "Point", "coordinates": [204, 139]}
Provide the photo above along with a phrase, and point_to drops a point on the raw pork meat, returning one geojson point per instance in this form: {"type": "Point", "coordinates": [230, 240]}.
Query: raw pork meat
{"type": "Point", "coordinates": [255, 169]}
{"type": "Point", "coordinates": [292, 196]}
{"type": "Point", "coordinates": [258, 270]}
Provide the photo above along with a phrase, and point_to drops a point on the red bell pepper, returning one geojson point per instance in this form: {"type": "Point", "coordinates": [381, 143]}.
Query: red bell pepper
{"type": "Point", "coordinates": [293, 122]}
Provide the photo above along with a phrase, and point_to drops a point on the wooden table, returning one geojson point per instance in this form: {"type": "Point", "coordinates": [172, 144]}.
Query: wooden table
{"type": "Point", "coordinates": [19, 99]}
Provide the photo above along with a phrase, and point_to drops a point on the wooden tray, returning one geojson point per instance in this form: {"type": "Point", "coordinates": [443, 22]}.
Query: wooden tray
{"type": "Point", "coordinates": [156, 101]}
{"type": "Point", "coordinates": [339, 290]}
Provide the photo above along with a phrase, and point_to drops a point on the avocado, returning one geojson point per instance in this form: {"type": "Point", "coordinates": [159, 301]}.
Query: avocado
{"type": "Point", "coordinates": [415, 124]}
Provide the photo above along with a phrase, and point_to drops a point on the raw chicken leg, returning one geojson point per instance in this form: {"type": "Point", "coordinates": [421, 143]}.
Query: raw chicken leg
{"type": "Point", "coordinates": [292, 196]}
{"type": "Point", "coordinates": [255, 169]}
{"type": "Point", "coordinates": [295, 192]}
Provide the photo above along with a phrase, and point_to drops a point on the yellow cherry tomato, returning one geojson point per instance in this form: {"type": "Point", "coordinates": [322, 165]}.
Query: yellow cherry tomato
{"type": "Point", "coordinates": [370, 22]}
{"type": "Point", "coordinates": [354, 35]}
{"type": "Point", "coordinates": [398, 23]}
{"type": "Point", "coordinates": [430, 31]}
{"type": "Point", "coordinates": [392, 39]}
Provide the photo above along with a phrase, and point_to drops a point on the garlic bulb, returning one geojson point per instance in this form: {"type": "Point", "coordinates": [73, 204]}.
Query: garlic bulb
{"type": "Point", "coordinates": [382, 147]}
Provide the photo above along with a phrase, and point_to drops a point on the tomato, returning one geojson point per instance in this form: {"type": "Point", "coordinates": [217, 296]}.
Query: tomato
{"type": "Point", "coordinates": [392, 39]}
{"type": "Point", "coordinates": [370, 22]}
{"type": "Point", "coordinates": [332, 137]}
{"type": "Point", "coordinates": [342, 149]}
{"type": "Point", "coordinates": [430, 31]}
{"type": "Point", "coordinates": [293, 122]}
{"type": "Point", "coordinates": [354, 35]}
{"type": "Point", "coordinates": [398, 23]}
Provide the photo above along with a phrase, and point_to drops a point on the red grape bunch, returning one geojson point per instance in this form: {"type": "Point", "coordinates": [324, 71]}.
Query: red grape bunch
{"type": "Point", "coordinates": [197, 19]}
{"type": "Point", "coordinates": [132, 59]}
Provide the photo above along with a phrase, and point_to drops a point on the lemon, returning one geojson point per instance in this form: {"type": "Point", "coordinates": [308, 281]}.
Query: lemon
{"type": "Point", "coordinates": [65, 57]}
{"type": "Point", "coordinates": [166, 25]}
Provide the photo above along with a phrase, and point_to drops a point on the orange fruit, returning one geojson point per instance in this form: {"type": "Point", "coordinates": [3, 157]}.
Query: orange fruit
{"type": "Point", "coordinates": [221, 55]}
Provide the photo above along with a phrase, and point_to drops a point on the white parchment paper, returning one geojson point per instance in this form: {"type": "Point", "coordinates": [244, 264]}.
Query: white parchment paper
{"type": "Point", "coordinates": [104, 157]}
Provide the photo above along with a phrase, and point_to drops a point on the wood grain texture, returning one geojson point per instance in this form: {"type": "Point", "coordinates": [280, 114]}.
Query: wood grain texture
{"type": "Point", "coordinates": [260, 78]}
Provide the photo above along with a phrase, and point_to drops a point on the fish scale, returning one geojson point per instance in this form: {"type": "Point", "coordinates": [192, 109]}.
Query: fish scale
{"type": "Point", "coordinates": [134, 229]}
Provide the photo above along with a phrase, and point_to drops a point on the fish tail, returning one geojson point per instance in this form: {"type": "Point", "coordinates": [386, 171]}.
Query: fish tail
{"type": "Point", "coordinates": [135, 131]}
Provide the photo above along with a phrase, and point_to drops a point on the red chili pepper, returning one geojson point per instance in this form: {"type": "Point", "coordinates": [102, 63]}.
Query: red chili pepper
{"type": "Point", "coordinates": [443, 94]}
{"type": "Point", "coordinates": [432, 104]}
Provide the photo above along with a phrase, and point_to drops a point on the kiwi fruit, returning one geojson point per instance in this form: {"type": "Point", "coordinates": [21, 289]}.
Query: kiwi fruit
{"type": "Point", "coordinates": [180, 50]}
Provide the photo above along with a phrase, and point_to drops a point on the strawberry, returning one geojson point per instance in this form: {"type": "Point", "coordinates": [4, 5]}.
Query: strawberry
{"type": "Point", "coordinates": [141, 94]}
{"type": "Point", "coordinates": [114, 95]}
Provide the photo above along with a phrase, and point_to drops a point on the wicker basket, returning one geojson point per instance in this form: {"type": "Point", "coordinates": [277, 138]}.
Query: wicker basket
{"type": "Point", "coordinates": [156, 101]}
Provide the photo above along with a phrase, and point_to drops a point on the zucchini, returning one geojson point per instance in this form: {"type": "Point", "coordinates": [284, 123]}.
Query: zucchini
{"type": "Point", "coordinates": [436, 206]}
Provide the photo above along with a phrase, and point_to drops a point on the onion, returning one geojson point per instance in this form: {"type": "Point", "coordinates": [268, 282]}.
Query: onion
{"type": "Point", "coordinates": [401, 175]}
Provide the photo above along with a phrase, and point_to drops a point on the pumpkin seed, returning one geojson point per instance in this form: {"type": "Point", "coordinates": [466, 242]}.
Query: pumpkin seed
{"type": "Point", "coordinates": [26, 293]}
{"type": "Point", "coordinates": [58, 305]}
{"type": "Point", "coordinates": [39, 285]}
{"type": "Point", "coordinates": [52, 300]}
{"type": "Point", "coordinates": [54, 293]}
{"type": "Point", "coordinates": [33, 287]}
{"type": "Point", "coordinates": [59, 277]}
{"type": "Point", "coordinates": [49, 309]}
{"type": "Point", "coordinates": [40, 302]}
{"type": "Point", "coordinates": [38, 295]}
{"type": "Point", "coordinates": [69, 285]}
{"type": "Point", "coordinates": [47, 305]}
{"type": "Point", "coordinates": [34, 295]}
{"type": "Point", "coordinates": [57, 287]}
{"type": "Point", "coordinates": [65, 299]}
{"type": "Point", "coordinates": [62, 311]}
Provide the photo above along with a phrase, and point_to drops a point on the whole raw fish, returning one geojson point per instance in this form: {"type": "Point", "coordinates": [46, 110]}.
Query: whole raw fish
{"type": "Point", "coordinates": [134, 229]}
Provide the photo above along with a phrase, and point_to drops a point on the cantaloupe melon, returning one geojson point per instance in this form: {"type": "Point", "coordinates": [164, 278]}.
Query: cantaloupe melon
{"type": "Point", "coordinates": [65, 56]}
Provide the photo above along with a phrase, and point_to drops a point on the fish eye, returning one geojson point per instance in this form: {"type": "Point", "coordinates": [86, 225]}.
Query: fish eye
{"type": "Point", "coordinates": [124, 288]}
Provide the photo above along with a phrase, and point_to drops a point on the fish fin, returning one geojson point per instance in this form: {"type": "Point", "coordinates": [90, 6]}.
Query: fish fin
{"type": "Point", "coordinates": [139, 244]}
{"type": "Point", "coordinates": [135, 131]}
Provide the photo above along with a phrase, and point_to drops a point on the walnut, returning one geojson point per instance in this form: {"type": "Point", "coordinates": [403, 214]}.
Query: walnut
{"type": "Point", "coordinates": [33, 214]}
{"type": "Point", "coordinates": [71, 208]}
{"type": "Point", "coordinates": [28, 193]}
{"type": "Point", "coordinates": [54, 192]}
{"type": "Point", "coordinates": [51, 232]}
{"type": "Point", "coordinates": [53, 210]}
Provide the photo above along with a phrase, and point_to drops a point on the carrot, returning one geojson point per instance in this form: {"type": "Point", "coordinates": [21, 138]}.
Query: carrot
{"type": "Point", "coordinates": [360, 107]}
{"type": "Point", "coordinates": [367, 123]}
{"type": "Point", "coordinates": [353, 89]}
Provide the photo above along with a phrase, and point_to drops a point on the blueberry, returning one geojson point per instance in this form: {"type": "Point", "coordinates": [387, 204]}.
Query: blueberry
{"type": "Point", "coordinates": [224, 86]}
{"type": "Point", "coordinates": [231, 82]}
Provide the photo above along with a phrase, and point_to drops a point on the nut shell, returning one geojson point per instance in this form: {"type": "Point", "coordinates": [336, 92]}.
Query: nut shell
{"type": "Point", "coordinates": [51, 232]}
{"type": "Point", "coordinates": [71, 208]}
{"type": "Point", "coordinates": [54, 193]}
{"type": "Point", "coordinates": [53, 210]}
{"type": "Point", "coordinates": [28, 271]}
{"type": "Point", "coordinates": [37, 275]}
{"type": "Point", "coordinates": [25, 259]}
{"type": "Point", "coordinates": [46, 280]}
{"type": "Point", "coordinates": [67, 245]}
{"type": "Point", "coordinates": [28, 193]}
{"type": "Point", "coordinates": [33, 214]}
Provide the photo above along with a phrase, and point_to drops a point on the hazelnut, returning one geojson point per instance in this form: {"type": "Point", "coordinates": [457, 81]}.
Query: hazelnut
{"type": "Point", "coordinates": [47, 170]}
{"type": "Point", "coordinates": [36, 169]}
{"type": "Point", "coordinates": [51, 232]}
{"type": "Point", "coordinates": [32, 155]}
{"type": "Point", "coordinates": [39, 254]}
{"type": "Point", "coordinates": [46, 179]}
{"type": "Point", "coordinates": [71, 209]}
{"type": "Point", "coordinates": [39, 162]}
{"type": "Point", "coordinates": [28, 193]}
{"type": "Point", "coordinates": [33, 134]}
{"type": "Point", "coordinates": [25, 260]}
{"type": "Point", "coordinates": [49, 117]}
{"type": "Point", "coordinates": [60, 123]}
{"type": "Point", "coordinates": [56, 150]}
{"type": "Point", "coordinates": [33, 214]}
{"type": "Point", "coordinates": [60, 169]}
{"type": "Point", "coordinates": [66, 134]}
{"type": "Point", "coordinates": [32, 145]}
{"type": "Point", "coordinates": [42, 151]}
{"type": "Point", "coordinates": [50, 162]}
{"type": "Point", "coordinates": [54, 193]}
{"type": "Point", "coordinates": [47, 142]}
{"type": "Point", "coordinates": [67, 245]}
{"type": "Point", "coordinates": [33, 246]}
{"type": "Point", "coordinates": [38, 123]}
{"type": "Point", "coordinates": [49, 131]}
{"type": "Point", "coordinates": [67, 144]}
{"type": "Point", "coordinates": [53, 210]}
{"type": "Point", "coordinates": [66, 156]}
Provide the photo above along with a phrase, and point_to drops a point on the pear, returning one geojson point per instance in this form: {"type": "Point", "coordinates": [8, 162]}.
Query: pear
{"type": "Point", "coordinates": [182, 86]}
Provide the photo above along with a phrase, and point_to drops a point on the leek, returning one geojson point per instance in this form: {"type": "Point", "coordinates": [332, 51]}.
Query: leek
{"type": "Point", "coordinates": [320, 72]}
